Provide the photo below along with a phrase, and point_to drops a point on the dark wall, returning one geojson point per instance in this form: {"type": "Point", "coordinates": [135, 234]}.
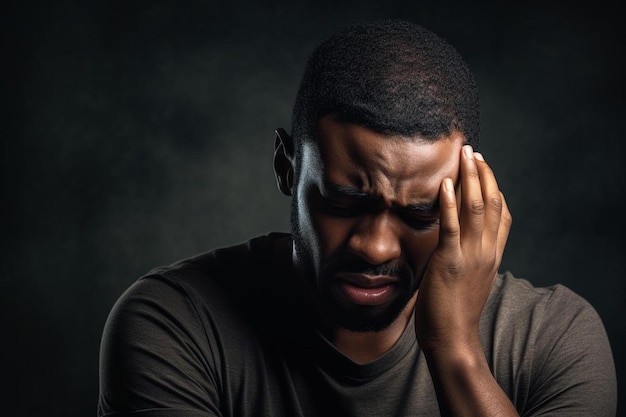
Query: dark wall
{"type": "Point", "coordinates": [139, 132]}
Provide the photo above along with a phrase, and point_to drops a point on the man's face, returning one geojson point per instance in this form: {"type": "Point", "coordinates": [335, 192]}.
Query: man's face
{"type": "Point", "coordinates": [365, 218]}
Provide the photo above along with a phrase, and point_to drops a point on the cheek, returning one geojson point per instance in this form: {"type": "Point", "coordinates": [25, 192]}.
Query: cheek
{"type": "Point", "coordinates": [323, 234]}
{"type": "Point", "coordinates": [421, 247]}
{"type": "Point", "coordinates": [326, 233]}
{"type": "Point", "coordinates": [306, 222]}
{"type": "Point", "coordinates": [332, 233]}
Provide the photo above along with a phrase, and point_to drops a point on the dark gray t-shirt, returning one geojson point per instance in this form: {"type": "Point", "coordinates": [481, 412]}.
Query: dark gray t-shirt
{"type": "Point", "coordinates": [224, 333]}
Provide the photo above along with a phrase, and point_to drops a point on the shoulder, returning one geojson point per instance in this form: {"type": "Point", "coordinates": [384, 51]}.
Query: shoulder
{"type": "Point", "coordinates": [261, 251]}
{"type": "Point", "coordinates": [554, 306]}
{"type": "Point", "coordinates": [229, 268]}
{"type": "Point", "coordinates": [548, 345]}
{"type": "Point", "coordinates": [208, 283]}
{"type": "Point", "coordinates": [171, 334]}
{"type": "Point", "coordinates": [540, 315]}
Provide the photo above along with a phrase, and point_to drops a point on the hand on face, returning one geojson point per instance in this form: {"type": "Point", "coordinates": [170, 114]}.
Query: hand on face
{"type": "Point", "coordinates": [474, 227]}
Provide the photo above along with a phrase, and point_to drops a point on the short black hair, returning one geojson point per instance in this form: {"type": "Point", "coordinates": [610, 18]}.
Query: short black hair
{"type": "Point", "coordinates": [392, 76]}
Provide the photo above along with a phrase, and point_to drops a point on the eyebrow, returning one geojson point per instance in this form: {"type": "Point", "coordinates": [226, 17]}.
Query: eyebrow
{"type": "Point", "coordinates": [347, 191]}
{"type": "Point", "coordinates": [352, 192]}
{"type": "Point", "coordinates": [430, 207]}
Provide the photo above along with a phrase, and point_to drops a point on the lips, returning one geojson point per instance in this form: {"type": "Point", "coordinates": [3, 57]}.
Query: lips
{"type": "Point", "coordinates": [366, 290]}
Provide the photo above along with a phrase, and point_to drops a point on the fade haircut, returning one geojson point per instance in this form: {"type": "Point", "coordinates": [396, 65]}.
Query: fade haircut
{"type": "Point", "coordinates": [392, 76]}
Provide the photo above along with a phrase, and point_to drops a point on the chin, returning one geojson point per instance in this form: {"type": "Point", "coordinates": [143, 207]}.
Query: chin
{"type": "Point", "coordinates": [364, 319]}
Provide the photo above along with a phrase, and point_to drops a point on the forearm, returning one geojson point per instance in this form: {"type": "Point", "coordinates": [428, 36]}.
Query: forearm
{"type": "Point", "coordinates": [464, 383]}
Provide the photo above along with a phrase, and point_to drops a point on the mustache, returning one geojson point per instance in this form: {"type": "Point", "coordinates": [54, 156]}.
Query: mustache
{"type": "Point", "coordinates": [359, 266]}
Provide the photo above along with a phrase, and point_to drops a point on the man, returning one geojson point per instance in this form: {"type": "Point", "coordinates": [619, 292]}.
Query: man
{"type": "Point", "coordinates": [385, 299]}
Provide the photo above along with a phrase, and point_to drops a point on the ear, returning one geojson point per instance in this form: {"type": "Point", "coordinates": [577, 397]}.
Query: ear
{"type": "Point", "coordinates": [283, 161]}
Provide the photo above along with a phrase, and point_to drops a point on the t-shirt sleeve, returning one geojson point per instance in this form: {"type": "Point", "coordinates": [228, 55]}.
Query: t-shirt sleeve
{"type": "Point", "coordinates": [154, 357]}
{"type": "Point", "coordinates": [573, 367]}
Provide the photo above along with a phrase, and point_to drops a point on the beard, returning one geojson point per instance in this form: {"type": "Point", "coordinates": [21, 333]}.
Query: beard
{"type": "Point", "coordinates": [364, 318]}
{"type": "Point", "coordinates": [357, 318]}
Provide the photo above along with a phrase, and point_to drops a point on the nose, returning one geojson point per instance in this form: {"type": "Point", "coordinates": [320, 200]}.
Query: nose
{"type": "Point", "coordinates": [376, 239]}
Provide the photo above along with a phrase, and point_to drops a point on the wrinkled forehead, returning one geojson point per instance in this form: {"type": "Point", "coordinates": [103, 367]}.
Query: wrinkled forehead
{"type": "Point", "coordinates": [393, 167]}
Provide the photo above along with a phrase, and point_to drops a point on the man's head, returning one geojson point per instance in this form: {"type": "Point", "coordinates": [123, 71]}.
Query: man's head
{"type": "Point", "coordinates": [391, 76]}
{"type": "Point", "coordinates": [379, 121]}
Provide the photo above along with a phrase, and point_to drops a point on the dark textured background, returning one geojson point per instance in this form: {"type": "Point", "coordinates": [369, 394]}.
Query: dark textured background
{"type": "Point", "coordinates": [135, 133]}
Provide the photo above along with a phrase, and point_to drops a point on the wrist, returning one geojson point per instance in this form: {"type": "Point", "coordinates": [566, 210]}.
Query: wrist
{"type": "Point", "coordinates": [465, 353]}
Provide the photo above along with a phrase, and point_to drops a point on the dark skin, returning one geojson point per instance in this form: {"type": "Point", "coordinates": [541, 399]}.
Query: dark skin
{"type": "Point", "coordinates": [392, 202]}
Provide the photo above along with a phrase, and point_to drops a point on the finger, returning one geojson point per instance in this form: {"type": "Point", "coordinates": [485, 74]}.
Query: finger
{"type": "Point", "coordinates": [506, 220]}
{"type": "Point", "coordinates": [493, 202]}
{"type": "Point", "coordinates": [472, 204]}
{"type": "Point", "coordinates": [449, 229]}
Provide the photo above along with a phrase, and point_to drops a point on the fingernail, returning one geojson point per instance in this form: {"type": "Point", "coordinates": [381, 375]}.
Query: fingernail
{"type": "Point", "coordinates": [469, 152]}
{"type": "Point", "coordinates": [447, 185]}
{"type": "Point", "coordinates": [479, 156]}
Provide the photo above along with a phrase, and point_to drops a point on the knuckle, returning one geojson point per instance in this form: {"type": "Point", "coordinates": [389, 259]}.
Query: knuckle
{"type": "Point", "coordinates": [496, 203]}
{"type": "Point", "coordinates": [449, 205]}
{"type": "Point", "coordinates": [453, 269]}
{"type": "Point", "coordinates": [477, 206]}
{"type": "Point", "coordinates": [450, 230]}
{"type": "Point", "coordinates": [472, 173]}
{"type": "Point", "coordinates": [449, 266]}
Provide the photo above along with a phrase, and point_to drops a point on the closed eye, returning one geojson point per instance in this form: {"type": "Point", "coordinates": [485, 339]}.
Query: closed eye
{"type": "Point", "coordinates": [421, 216]}
{"type": "Point", "coordinates": [349, 202]}
{"type": "Point", "coordinates": [343, 208]}
{"type": "Point", "coordinates": [345, 201]}
{"type": "Point", "coordinates": [419, 223]}
{"type": "Point", "coordinates": [351, 209]}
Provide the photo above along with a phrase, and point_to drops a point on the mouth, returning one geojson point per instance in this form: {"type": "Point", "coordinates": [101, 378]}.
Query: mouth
{"type": "Point", "coordinates": [367, 290]}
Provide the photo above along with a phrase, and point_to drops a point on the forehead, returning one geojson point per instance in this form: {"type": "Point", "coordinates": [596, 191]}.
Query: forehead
{"type": "Point", "coordinates": [403, 170]}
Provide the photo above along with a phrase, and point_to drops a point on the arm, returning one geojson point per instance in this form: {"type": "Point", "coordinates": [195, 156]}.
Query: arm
{"type": "Point", "coordinates": [455, 288]}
